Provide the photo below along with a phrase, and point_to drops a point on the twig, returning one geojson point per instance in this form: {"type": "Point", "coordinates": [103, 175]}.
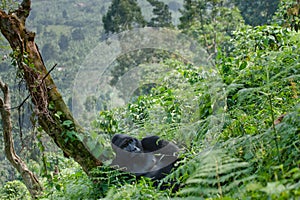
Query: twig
{"type": "Point", "coordinates": [24, 101]}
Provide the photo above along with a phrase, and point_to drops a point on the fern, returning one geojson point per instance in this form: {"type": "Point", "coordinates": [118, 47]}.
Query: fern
{"type": "Point", "coordinates": [278, 177]}
{"type": "Point", "coordinates": [216, 173]}
{"type": "Point", "coordinates": [106, 177]}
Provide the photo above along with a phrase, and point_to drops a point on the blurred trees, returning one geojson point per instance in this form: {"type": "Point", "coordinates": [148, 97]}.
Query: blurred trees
{"type": "Point", "coordinates": [257, 12]}
{"type": "Point", "coordinates": [288, 14]}
{"type": "Point", "coordinates": [63, 42]}
{"type": "Point", "coordinates": [123, 15]}
{"type": "Point", "coordinates": [163, 17]}
{"type": "Point", "coordinates": [210, 22]}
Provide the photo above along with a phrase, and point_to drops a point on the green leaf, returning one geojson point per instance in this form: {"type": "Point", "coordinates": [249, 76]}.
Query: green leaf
{"type": "Point", "coordinates": [243, 65]}
{"type": "Point", "coordinates": [58, 114]}
{"type": "Point", "coordinates": [67, 123]}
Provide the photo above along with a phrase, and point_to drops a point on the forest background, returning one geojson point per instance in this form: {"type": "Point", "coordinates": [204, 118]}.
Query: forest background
{"type": "Point", "coordinates": [235, 116]}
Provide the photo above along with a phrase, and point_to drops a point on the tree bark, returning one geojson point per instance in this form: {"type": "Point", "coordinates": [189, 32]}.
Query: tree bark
{"type": "Point", "coordinates": [30, 180]}
{"type": "Point", "coordinates": [42, 89]}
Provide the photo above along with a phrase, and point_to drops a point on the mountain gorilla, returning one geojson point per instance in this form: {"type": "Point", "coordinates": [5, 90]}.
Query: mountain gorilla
{"type": "Point", "coordinates": [151, 157]}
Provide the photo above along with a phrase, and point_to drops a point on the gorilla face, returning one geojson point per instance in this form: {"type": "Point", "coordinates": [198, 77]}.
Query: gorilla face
{"type": "Point", "coordinates": [150, 157]}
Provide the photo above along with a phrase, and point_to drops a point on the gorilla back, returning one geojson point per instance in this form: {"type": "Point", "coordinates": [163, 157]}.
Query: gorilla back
{"type": "Point", "coordinates": [151, 157]}
{"type": "Point", "coordinates": [130, 156]}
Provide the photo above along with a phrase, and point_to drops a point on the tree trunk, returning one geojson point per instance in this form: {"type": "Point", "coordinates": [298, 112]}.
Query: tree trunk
{"type": "Point", "coordinates": [30, 180]}
{"type": "Point", "coordinates": [44, 93]}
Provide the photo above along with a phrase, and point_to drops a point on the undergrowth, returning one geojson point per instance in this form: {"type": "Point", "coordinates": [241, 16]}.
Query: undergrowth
{"type": "Point", "coordinates": [233, 146]}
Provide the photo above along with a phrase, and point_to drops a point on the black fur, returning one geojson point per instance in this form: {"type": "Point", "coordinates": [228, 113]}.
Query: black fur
{"type": "Point", "coordinates": [151, 157]}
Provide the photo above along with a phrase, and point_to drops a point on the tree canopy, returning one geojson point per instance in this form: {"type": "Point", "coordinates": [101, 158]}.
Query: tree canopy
{"type": "Point", "coordinates": [123, 15]}
{"type": "Point", "coordinates": [163, 17]}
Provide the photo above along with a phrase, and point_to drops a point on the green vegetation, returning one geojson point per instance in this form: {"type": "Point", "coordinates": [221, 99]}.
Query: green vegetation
{"type": "Point", "coordinates": [257, 12]}
{"type": "Point", "coordinates": [211, 23]}
{"type": "Point", "coordinates": [236, 121]}
{"type": "Point", "coordinates": [163, 17]}
{"type": "Point", "coordinates": [123, 15]}
{"type": "Point", "coordinates": [14, 190]}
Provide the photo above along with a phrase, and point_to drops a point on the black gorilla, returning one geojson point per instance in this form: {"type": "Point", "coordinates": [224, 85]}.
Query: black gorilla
{"type": "Point", "coordinates": [151, 157]}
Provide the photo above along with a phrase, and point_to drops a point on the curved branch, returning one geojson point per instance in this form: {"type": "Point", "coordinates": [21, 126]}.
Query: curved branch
{"type": "Point", "coordinates": [30, 180]}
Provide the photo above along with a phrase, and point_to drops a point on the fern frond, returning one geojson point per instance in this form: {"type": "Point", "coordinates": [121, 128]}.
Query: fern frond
{"type": "Point", "coordinates": [216, 173]}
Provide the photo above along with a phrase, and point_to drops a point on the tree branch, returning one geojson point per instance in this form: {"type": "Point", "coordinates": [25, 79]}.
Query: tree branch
{"type": "Point", "coordinates": [24, 10]}
{"type": "Point", "coordinates": [30, 180]}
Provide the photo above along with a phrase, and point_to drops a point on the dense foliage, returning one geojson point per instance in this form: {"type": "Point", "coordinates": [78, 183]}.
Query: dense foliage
{"type": "Point", "coordinates": [163, 17]}
{"type": "Point", "coordinates": [123, 15]}
{"type": "Point", "coordinates": [210, 22]}
{"type": "Point", "coordinates": [236, 121]}
{"type": "Point", "coordinates": [256, 12]}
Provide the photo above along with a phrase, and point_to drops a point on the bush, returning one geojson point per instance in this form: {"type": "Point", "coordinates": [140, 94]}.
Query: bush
{"type": "Point", "coordinates": [14, 190]}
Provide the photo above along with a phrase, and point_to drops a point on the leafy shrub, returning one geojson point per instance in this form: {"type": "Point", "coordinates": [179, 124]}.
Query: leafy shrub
{"type": "Point", "coordinates": [14, 190]}
{"type": "Point", "coordinates": [69, 183]}
{"type": "Point", "coordinates": [140, 190]}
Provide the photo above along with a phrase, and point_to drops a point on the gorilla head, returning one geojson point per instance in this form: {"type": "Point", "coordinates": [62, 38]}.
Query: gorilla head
{"type": "Point", "coordinates": [150, 157]}
{"type": "Point", "coordinates": [127, 143]}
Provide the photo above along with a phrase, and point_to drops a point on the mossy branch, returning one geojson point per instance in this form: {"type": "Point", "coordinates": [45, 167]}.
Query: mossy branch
{"type": "Point", "coordinates": [30, 180]}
